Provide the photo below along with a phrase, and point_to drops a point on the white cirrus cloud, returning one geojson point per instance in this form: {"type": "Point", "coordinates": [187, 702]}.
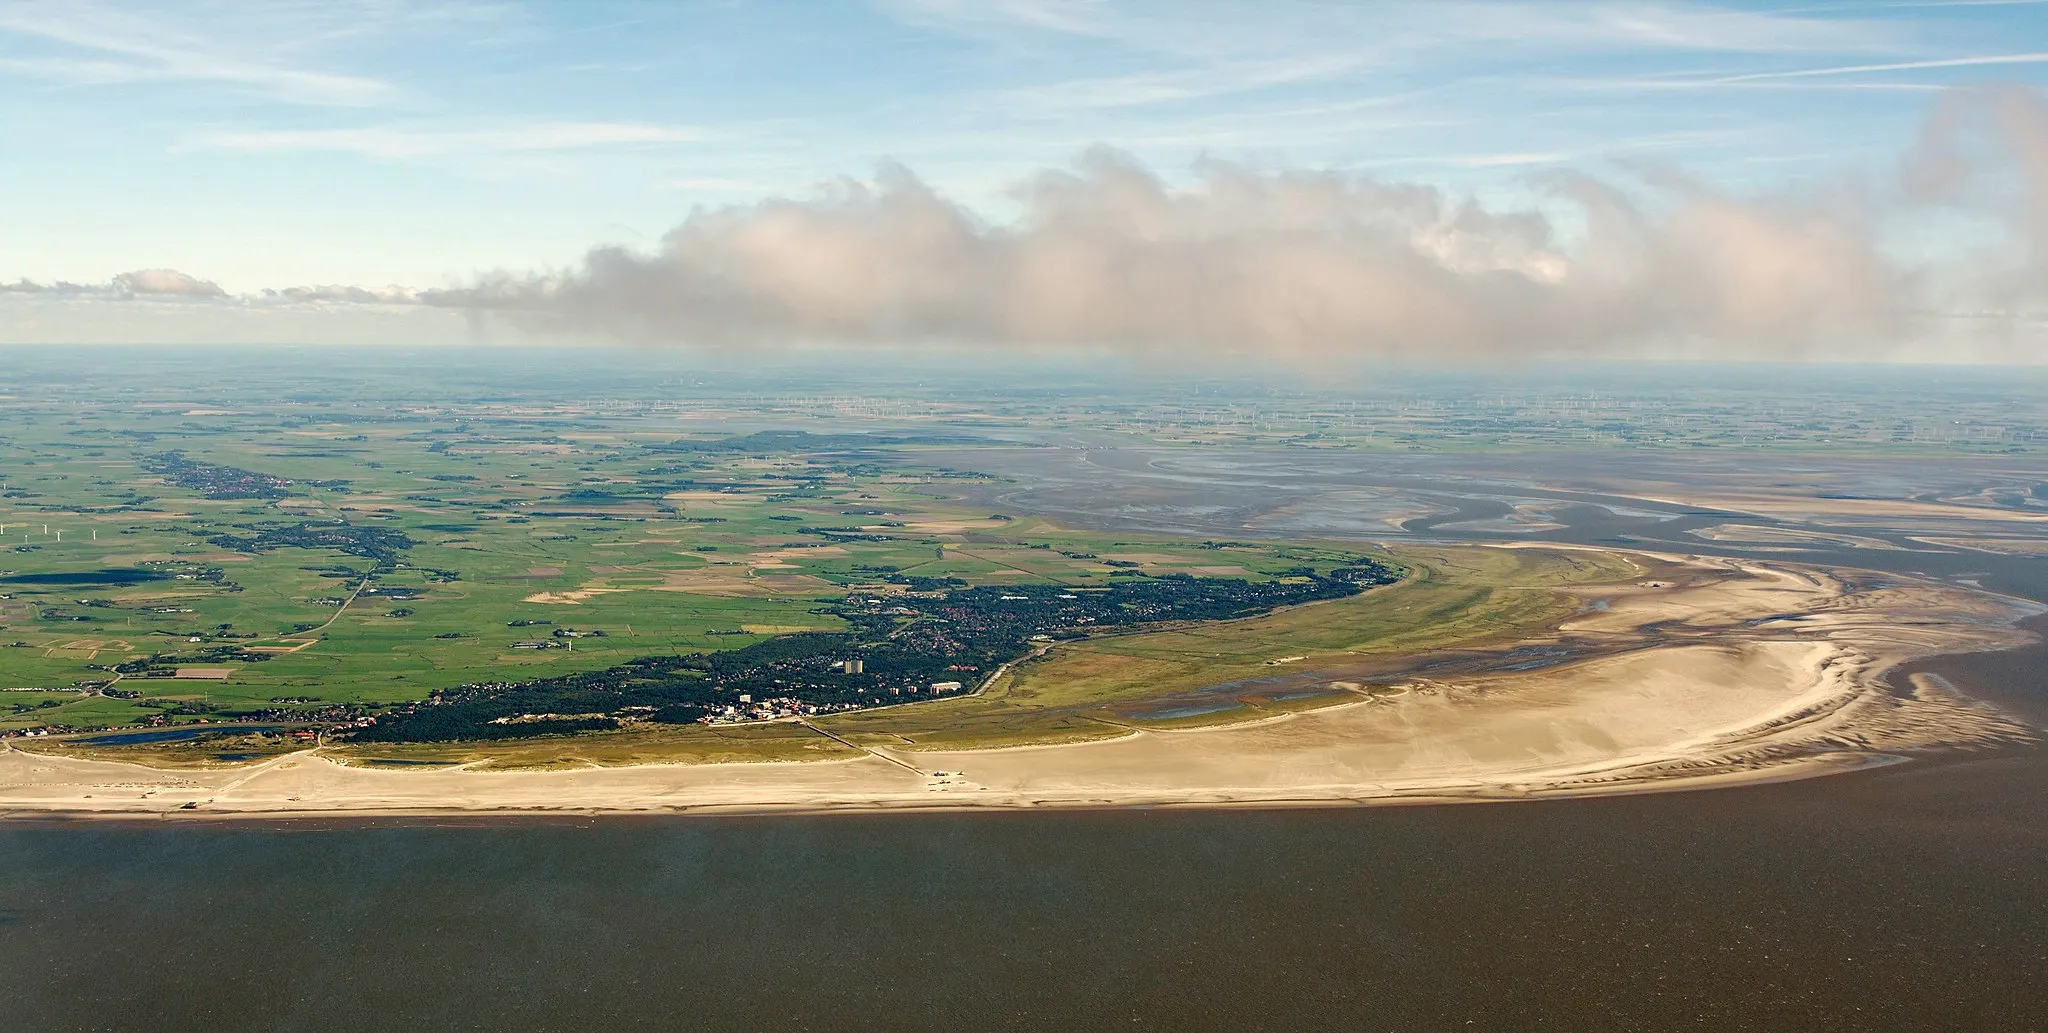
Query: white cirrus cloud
{"type": "Point", "coordinates": [240, 45]}
{"type": "Point", "coordinates": [401, 142]}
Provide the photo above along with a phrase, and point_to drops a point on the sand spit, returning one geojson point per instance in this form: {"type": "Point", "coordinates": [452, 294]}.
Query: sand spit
{"type": "Point", "coordinates": [1752, 671]}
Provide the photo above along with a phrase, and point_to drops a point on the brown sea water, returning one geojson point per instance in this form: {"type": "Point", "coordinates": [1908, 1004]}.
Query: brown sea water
{"type": "Point", "coordinates": [1910, 898]}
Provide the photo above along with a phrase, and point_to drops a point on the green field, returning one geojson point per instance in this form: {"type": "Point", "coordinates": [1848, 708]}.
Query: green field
{"type": "Point", "coordinates": [601, 540]}
{"type": "Point", "coordinates": [1456, 597]}
{"type": "Point", "coordinates": [178, 547]}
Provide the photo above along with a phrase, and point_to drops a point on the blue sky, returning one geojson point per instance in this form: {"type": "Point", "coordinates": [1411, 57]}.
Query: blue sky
{"type": "Point", "coordinates": [282, 143]}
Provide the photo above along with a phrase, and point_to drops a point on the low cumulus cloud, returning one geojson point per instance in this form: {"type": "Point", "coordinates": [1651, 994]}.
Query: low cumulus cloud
{"type": "Point", "coordinates": [173, 307]}
{"type": "Point", "coordinates": [1249, 261]}
{"type": "Point", "coordinates": [1108, 253]}
{"type": "Point", "coordinates": [166, 282]}
{"type": "Point", "coordinates": [1239, 261]}
{"type": "Point", "coordinates": [1987, 150]}
{"type": "Point", "coordinates": [165, 306]}
{"type": "Point", "coordinates": [172, 286]}
{"type": "Point", "coordinates": [141, 283]}
{"type": "Point", "coordinates": [344, 295]}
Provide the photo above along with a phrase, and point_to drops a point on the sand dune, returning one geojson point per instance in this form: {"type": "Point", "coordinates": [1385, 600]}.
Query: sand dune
{"type": "Point", "coordinates": [1755, 671]}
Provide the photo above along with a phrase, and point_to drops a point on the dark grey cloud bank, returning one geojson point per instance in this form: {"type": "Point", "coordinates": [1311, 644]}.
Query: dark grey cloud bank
{"type": "Point", "coordinates": [1315, 263]}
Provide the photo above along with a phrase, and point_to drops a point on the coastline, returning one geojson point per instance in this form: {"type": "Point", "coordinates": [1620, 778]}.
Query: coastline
{"type": "Point", "coordinates": [1752, 671]}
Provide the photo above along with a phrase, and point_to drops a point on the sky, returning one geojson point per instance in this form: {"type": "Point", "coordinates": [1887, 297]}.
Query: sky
{"type": "Point", "coordinates": [287, 170]}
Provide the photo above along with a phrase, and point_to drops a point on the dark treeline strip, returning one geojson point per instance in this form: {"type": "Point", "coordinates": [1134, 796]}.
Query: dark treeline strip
{"type": "Point", "coordinates": [215, 481]}
{"type": "Point", "coordinates": [929, 643]}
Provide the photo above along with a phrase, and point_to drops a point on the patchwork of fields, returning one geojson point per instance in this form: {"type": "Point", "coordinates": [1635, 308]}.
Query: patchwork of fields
{"type": "Point", "coordinates": [317, 563]}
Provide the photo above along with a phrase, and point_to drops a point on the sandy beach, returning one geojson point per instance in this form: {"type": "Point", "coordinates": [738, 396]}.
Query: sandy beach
{"type": "Point", "coordinates": [1738, 672]}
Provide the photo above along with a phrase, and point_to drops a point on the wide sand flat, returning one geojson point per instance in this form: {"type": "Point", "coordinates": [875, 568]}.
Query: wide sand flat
{"type": "Point", "coordinates": [1756, 671]}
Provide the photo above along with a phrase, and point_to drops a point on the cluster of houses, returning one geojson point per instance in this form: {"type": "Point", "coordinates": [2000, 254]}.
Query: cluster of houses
{"type": "Point", "coordinates": [768, 709]}
{"type": "Point", "coordinates": [747, 708]}
{"type": "Point", "coordinates": [559, 638]}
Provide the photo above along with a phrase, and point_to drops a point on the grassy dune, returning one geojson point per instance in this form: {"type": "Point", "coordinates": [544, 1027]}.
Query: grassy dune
{"type": "Point", "coordinates": [1456, 597]}
{"type": "Point", "coordinates": [645, 745]}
